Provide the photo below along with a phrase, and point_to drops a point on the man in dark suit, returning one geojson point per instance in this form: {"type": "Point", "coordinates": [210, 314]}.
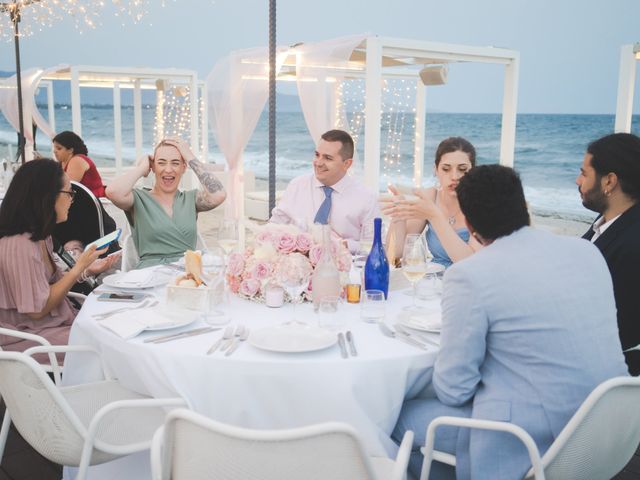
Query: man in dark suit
{"type": "Point", "coordinates": [609, 183]}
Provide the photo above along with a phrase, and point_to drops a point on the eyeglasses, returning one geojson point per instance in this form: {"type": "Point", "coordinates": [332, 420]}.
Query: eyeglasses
{"type": "Point", "coordinates": [71, 193]}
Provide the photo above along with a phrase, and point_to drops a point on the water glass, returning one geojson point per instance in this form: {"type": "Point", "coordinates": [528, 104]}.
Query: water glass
{"type": "Point", "coordinates": [430, 287]}
{"type": "Point", "coordinates": [328, 316]}
{"type": "Point", "coordinates": [373, 306]}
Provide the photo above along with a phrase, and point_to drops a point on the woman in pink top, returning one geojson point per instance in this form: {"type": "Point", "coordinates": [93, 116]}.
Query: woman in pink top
{"type": "Point", "coordinates": [32, 289]}
{"type": "Point", "coordinates": [71, 152]}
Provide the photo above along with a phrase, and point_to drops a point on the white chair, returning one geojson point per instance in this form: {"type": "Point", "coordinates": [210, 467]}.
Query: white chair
{"type": "Point", "coordinates": [597, 443]}
{"type": "Point", "coordinates": [79, 425]}
{"type": "Point", "coordinates": [191, 446]}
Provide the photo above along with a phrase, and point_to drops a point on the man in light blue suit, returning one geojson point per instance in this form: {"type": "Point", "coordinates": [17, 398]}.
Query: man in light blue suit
{"type": "Point", "coordinates": [529, 330]}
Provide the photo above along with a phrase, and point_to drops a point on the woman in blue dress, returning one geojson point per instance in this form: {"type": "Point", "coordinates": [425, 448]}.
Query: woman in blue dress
{"type": "Point", "coordinates": [437, 208]}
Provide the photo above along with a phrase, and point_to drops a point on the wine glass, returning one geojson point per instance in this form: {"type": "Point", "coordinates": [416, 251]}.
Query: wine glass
{"type": "Point", "coordinates": [366, 238]}
{"type": "Point", "coordinates": [295, 281]}
{"type": "Point", "coordinates": [415, 260]}
{"type": "Point", "coordinates": [228, 235]}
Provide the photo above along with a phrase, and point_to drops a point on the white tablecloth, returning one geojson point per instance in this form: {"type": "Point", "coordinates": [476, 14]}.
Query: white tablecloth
{"type": "Point", "coordinates": [261, 389]}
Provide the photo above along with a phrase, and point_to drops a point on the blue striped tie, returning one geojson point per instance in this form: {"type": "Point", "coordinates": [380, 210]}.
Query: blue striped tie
{"type": "Point", "coordinates": [322, 217]}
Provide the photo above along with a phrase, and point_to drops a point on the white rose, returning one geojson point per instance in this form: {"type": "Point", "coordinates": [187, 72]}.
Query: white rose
{"type": "Point", "coordinates": [265, 252]}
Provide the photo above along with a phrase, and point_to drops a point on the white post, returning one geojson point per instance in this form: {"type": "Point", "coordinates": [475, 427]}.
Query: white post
{"type": "Point", "coordinates": [76, 121]}
{"type": "Point", "coordinates": [137, 117]}
{"type": "Point", "coordinates": [626, 86]}
{"type": "Point", "coordinates": [117, 126]}
{"type": "Point", "coordinates": [204, 126]}
{"type": "Point", "coordinates": [190, 180]}
{"type": "Point", "coordinates": [51, 106]}
{"type": "Point", "coordinates": [420, 126]}
{"type": "Point", "coordinates": [509, 108]}
{"type": "Point", "coordinates": [373, 104]}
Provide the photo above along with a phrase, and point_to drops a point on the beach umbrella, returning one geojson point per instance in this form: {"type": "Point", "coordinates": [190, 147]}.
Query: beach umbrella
{"type": "Point", "coordinates": [272, 105]}
{"type": "Point", "coordinates": [40, 13]}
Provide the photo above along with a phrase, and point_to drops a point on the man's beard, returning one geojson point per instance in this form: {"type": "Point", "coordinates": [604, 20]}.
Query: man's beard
{"type": "Point", "coordinates": [594, 199]}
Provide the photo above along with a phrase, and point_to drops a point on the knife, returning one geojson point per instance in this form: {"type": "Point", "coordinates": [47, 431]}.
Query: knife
{"type": "Point", "coordinates": [352, 344]}
{"type": "Point", "coordinates": [175, 336]}
{"type": "Point", "coordinates": [419, 336]}
{"type": "Point", "coordinates": [343, 347]}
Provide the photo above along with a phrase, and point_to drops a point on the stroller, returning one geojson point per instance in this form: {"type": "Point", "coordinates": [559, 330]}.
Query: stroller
{"type": "Point", "coordinates": [87, 221]}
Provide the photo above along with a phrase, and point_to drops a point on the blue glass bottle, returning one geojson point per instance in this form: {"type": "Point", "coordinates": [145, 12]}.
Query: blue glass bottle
{"type": "Point", "coordinates": [376, 269]}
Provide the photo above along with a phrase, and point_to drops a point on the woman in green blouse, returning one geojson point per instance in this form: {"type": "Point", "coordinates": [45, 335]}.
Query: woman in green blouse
{"type": "Point", "coordinates": [163, 219]}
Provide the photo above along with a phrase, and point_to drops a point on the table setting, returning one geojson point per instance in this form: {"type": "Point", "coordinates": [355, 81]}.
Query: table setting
{"type": "Point", "coordinates": [243, 362]}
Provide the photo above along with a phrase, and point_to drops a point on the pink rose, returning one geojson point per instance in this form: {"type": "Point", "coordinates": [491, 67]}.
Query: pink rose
{"type": "Point", "coordinates": [262, 270]}
{"type": "Point", "coordinates": [235, 264]}
{"type": "Point", "coordinates": [286, 243]}
{"type": "Point", "coordinates": [234, 283]}
{"type": "Point", "coordinates": [250, 287]}
{"type": "Point", "coordinates": [304, 242]}
{"type": "Point", "coordinates": [264, 237]}
{"type": "Point", "coordinates": [314, 254]}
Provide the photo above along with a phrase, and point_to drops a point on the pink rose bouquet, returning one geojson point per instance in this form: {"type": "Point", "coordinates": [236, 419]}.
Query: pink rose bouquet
{"type": "Point", "coordinates": [279, 253]}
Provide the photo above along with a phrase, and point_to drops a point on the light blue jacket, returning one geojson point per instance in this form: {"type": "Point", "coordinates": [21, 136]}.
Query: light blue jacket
{"type": "Point", "coordinates": [529, 329]}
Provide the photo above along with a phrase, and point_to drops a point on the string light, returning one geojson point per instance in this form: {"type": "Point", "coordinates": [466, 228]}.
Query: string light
{"type": "Point", "coordinates": [173, 113]}
{"type": "Point", "coordinates": [398, 96]}
{"type": "Point", "coordinates": [35, 15]}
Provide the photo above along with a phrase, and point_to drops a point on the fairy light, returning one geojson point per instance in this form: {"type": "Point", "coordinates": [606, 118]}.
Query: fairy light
{"type": "Point", "coordinates": [173, 114]}
{"type": "Point", "coordinates": [35, 15]}
{"type": "Point", "coordinates": [397, 111]}
{"type": "Point", "coordinates": [350, 108]}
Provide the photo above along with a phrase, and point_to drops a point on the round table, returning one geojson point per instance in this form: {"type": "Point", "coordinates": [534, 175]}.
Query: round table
{"type": "Point", "coordinates": [263, 389]}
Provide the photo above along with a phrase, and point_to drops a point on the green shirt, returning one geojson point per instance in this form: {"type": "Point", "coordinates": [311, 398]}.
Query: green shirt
{"type": "Point", "coordinates": [159, 238]}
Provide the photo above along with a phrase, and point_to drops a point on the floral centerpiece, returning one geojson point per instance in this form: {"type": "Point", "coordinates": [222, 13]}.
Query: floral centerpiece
{"type": "Point", "coordinates": [278, 252]}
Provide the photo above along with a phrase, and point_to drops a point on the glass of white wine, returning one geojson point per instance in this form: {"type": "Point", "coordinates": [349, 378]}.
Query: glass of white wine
{"type": "Point", "coordinates": [228, 235]}
{"type": "Point", "coordinates": [415, 259]}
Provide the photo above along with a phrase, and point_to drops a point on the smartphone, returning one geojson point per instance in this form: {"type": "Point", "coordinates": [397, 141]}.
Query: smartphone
{"type": "Point", "coordinates": [106, 240]}
{"type": "Point", "coordinates": [120, 297]}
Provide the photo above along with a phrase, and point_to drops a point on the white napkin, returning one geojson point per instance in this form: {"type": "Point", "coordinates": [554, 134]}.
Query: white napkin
{"type": "Point", "coordinates": [129, 324]}
{"type": "Point", "coordinates": [429, 320]}
{"type": "Point", "coordinates": [136, 278]}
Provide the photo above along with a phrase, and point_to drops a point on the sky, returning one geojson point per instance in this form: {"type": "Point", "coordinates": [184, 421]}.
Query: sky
{"type": "Point", "coordinates": [569, 49]}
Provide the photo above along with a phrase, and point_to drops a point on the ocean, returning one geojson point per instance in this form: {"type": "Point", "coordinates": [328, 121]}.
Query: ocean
{"type": "Point", "coordinates": [549, 148]}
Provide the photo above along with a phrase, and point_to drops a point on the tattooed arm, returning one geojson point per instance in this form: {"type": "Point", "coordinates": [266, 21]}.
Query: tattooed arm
{"type": "Point", "coordinates": [213, 193]}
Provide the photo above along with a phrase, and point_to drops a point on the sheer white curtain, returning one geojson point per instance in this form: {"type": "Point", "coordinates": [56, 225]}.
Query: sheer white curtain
{"type": "Point", "coordinates": [9, 105]}
{"type": "Point", "coordinates": [237, 89]}
{"type": "Point", "coordinates": [317, 81]}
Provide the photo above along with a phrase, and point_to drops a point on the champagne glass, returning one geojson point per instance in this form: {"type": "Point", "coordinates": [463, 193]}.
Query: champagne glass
{"type": "Point", "coordinates": [414, 262]}
{"type": "Point", "coordinates": [228, 235]}
{"type": "Point", "coordinates": [366, 238]}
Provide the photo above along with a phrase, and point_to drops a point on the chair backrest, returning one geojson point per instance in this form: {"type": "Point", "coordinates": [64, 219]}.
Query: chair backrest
{"type": "Point", "coordinates": [196, 447]}
{"type": "Point", "coordinates": [39, 411]}
{"type": "Point", "coordinates": [87, 219]}
{"type": "Point", "coordinates": [602, 435]}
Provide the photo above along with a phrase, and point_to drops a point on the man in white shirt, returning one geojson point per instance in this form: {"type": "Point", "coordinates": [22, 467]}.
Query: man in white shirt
{"type": "Point", "coordinates": [329, 194]}
{"type": "Point", "coordinates": [609, 183]}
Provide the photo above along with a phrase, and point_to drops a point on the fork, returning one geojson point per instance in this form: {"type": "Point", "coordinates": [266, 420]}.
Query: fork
{"type": "Point", "coordinates": [145, 304]}
{"type": "Point", "coordinates": [244, 334]}
{"type": "Point", "coordinates": [226, 335]}
{"type": "Point", "coordinates": [403, 337]}
{"type": "Point", "coordinates": [236, 335]}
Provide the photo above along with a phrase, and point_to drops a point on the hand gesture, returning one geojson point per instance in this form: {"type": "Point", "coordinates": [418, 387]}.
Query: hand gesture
{"type": "Point", "coordinates": [89, 256]}
{"type": "Point", "coordinates": [424, 208]}
{"type": "Point", "coordinates": [143, 164]}
{"type": "Point", "coordinates": [183, 147]}
{"type": "Point", "coordinates": [103, 264]}
{"type": "Point", "coordinates": [387, 204]}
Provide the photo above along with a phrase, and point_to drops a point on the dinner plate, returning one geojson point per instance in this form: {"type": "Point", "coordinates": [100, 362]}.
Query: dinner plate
{"type": "Point", "coordinates": [292, 338]}
{"type": "Point", "coordinates": [429, 320]}
{"type": "Point", "coordinates": [175, 318]}
{"type": "Point", "coordinates": [118, 280]}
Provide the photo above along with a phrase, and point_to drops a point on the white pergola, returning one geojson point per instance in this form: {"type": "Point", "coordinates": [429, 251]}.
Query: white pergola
{"type": "Point", "coordinates": [137, 79]}
{"type": "Point", "coordinates": [629, 56]}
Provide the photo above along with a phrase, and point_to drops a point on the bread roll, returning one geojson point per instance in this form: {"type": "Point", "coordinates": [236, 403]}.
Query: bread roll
{"type": "Point", "coordinates": [193, 265]}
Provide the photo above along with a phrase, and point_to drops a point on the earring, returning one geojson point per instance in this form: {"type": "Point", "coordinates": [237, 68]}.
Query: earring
{"type": "Point", "coordinates": [607, 193]}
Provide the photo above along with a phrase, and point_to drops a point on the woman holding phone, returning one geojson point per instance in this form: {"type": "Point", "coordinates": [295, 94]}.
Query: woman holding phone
{"type": "Point", "coordinates": [32, 289]}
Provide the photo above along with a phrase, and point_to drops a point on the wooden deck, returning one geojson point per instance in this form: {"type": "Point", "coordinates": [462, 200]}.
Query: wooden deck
{"type": "Point", "coordinates": [21, 462]}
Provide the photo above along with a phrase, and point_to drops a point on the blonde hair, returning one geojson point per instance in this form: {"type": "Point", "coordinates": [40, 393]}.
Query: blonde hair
{"type": "Point", "coordinates": [164, 143]}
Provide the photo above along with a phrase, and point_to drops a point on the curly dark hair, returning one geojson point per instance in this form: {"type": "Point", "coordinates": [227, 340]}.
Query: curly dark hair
{"type": "Point", "coordinates": [346, 151]}
{"type": "Point", "coordinates": [72, 141]}
{"type": "Point", "coordinates": [618, 153]}
{"type": "Point", "coordinates": [29, 203]}
{"type": "Point", "coordinates": [456, 144]}
{"type": "Point", "coordinates": [492, 200]}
